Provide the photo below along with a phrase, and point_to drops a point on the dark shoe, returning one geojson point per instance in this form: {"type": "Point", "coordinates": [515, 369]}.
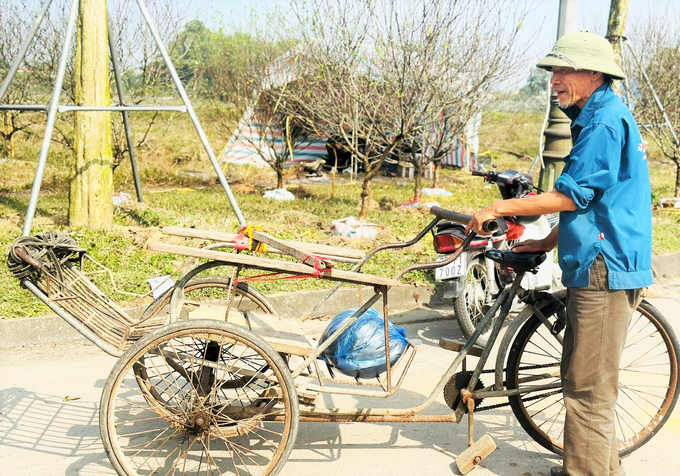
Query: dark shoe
{"type": "Point", "coordinates": [557, 471]}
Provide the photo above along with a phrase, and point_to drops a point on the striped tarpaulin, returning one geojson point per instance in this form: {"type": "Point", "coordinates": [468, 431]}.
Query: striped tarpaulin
{"type": "Point", "coordinates": [247, 146]}
{"type": "Point", "coordinates": [465, 148]}
{"type": "Point", "coordinates": [462, 155]}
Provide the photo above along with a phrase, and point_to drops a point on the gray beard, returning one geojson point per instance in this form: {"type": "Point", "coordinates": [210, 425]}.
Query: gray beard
{"type": "Point", "coordinates": [565, 104]}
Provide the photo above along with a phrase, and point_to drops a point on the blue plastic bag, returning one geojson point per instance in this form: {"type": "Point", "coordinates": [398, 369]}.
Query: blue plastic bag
{"type": "Point", "coordinates": [360, 350]}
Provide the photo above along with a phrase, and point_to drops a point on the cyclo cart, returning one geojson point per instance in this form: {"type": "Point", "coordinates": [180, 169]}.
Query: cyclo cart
{"type": "Point", "coordinates": [191, 394]}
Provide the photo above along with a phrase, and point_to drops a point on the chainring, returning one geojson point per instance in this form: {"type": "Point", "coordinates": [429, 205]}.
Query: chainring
{"type": "Point", "coordinates": [455, 384]}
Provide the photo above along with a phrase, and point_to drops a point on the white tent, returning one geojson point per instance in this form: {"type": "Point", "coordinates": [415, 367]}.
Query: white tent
{"type": "Point", "coordinates": [247, 146]}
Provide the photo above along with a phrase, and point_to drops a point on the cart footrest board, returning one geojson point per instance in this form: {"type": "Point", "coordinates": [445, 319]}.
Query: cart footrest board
{"type": "Point", "coordinates": [457, 346]}
{"type": "Point", "coordinates": [283, 334]}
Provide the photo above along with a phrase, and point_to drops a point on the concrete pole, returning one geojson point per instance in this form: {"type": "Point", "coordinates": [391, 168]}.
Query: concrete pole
{"type": "Point", "coordinates": [566, 22]}
{"type": "Point", "coordinates": [557, 134]}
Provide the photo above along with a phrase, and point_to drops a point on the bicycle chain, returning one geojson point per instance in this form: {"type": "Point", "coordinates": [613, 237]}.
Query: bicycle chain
{"type": "Point", "coordinates": [527, 399]}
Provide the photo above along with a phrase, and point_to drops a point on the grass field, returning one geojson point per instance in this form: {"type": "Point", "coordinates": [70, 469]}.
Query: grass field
{"type": "Point", "coordinates": [180, 189]}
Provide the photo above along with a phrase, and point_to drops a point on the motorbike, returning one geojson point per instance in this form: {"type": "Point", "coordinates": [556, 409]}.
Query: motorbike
{"type": "Point", "coordinates": [472, 282]}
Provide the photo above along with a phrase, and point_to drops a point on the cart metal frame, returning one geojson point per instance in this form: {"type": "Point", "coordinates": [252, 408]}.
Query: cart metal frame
{"type": "Point", "coordinates": [52, 267]}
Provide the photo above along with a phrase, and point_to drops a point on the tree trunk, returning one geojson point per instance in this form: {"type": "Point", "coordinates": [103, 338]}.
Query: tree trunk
{"type": "Point", "coordinates": [365, 199]}
{"type": "Point", "coordinates": [8, 133]}
{"type": "Point", "coordinates": [279, 178]}
{"type": "Point", "coordinates": [418, 180]}
{"type": "Point", "coordinates": [616, 27]}
{"type": "Point", "coordinates": [371, 171]}
{"type": "Point", "coordinates": [677, 176]}
{"type": "Point", "coordinates": [9, 144]}
{"type": "Point", "coordinates": [435, 173]}
{"type": "Point", "coordinates": [91, 193]}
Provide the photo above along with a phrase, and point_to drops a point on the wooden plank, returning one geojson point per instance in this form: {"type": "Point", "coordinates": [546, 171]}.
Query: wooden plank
{"type": "Point", "coordinates": [457, 346]}
{"type": "Point", "coordinates": [316, 248]}
{"type": "Point", "coordinates": [268, 264]}
{"type": "Point", "coordinates": [284, 334]}
{"type": "Point", "coordinates": [295, 252]}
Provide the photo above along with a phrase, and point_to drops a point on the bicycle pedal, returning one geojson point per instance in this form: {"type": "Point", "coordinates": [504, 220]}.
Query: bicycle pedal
{"type": "Point", "coordinates": [474, 455]}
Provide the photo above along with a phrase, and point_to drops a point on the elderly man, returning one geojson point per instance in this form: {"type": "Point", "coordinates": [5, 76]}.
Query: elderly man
{"type": "Point", "coordinates": [604, 243]}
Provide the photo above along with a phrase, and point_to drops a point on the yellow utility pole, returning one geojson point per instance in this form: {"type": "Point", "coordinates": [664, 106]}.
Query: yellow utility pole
{"type": "Point", "coordinates": [91, 193]}
{"type": "Point", "coordinates": [616, 27]}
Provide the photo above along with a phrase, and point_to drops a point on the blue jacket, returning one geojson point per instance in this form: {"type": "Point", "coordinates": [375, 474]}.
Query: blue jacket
{"type": "Point", "coordinates": [607, 177]}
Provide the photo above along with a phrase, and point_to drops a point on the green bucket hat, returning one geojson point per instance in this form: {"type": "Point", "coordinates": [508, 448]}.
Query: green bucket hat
{"type": "Point", "coordinates": [583, 51]}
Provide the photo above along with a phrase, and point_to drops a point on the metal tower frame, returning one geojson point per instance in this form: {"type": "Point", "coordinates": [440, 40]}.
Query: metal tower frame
{"type": "Point", "coordinates": [55, 107]}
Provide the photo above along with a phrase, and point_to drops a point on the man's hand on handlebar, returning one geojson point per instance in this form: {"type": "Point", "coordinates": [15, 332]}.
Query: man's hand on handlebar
{"type": "Point", "coordinates": [481, 217]}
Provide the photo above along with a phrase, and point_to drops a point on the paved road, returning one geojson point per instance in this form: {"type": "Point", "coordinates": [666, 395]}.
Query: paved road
{"type": "Point", "coordinates": [49, 399]}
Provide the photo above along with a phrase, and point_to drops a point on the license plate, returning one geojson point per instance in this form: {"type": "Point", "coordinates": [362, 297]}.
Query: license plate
{"type": "Point", "coordinates": [451, 270]}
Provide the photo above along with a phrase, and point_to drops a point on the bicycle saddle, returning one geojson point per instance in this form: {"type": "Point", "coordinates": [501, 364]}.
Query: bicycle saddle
{"type": "Point", "coordinates": [516, 261]}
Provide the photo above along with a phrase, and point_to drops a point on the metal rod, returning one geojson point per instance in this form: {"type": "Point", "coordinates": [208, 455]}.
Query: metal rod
{"type": "Point", "coordinates": [357, 267]}
{"type": "Point", "coordinates": [192, 114]}
{"type": "Point", "coordinates": [367, 416]}
{"type": "Point", "coordinates": [509, 294]}
{"type": "Point", "coordinates": [22, 51]}
{"type": "Point", "coordinates": [438, 264]}
{"type": "Point", "coordinates": [24, 107]}
{"type": "Point", "coordinates": [520, 391]}
{"type": "Point", "coordinates": [386, 332]}
{"type": "Point", "coordinates": [471, 423]}
{"type": "Point", "coordinates": [354, 391]}
{"type": "Point", "coordinates": [71, 108]}
{"type": "Point", "coordinates": [124, 114]}
{"type": "Point", "coordinates": [51, 118]}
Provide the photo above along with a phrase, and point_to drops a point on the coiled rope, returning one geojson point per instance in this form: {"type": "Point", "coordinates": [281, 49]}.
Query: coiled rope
{"type": "Point", "coordinates": [48, 250]}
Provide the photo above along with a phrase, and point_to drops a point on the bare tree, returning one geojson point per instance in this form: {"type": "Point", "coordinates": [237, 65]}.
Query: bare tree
{"type": "Point", "coordinates": [378, 73]}
{"type": "Point", "coordinates": [448, 66]}
{"type": "Point", "coordinates": [269, 120]}
{"type": "Point", "coordinates": [31, 85]}
{"type": "Point", "coordinates": [653, 69]}
{"type": "Point", "coordinates": [145, 77]}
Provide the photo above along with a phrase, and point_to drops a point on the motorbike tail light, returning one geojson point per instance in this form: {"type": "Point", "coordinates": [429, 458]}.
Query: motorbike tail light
{"type": "Point", "coordinates": [446, 242]}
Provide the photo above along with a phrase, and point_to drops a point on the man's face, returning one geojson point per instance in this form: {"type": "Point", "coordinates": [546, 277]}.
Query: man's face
{"type": "Point", "coordinates": [571, 86]}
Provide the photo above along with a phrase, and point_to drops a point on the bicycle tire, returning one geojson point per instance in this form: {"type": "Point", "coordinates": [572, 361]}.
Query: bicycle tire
{"type": "Point", "coordinates": [469, 307]}
{"type": "Point", "coordinates": [196, 292]}
{"type": "Point", "coordinates": [542, 414]}
{"type": "Point", "coordinates": [229, 404]}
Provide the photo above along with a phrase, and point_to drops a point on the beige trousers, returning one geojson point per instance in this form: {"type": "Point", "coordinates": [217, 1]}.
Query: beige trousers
{"type": "Point", "coordinates": [597, 324]}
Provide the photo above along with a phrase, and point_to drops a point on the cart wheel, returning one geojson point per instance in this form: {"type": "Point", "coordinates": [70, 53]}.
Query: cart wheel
{"type": "Point", "coordinates": [216, 399]}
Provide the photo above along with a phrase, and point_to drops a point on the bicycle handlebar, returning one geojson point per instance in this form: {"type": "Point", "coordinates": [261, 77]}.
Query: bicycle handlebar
{"type": "Point", "coordinates": [463, 219]}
